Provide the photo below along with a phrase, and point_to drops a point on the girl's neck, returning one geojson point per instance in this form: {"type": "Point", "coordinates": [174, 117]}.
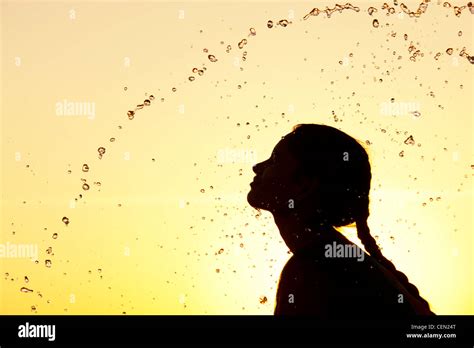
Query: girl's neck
{"type": "Point", "coordinates": [301, 235]}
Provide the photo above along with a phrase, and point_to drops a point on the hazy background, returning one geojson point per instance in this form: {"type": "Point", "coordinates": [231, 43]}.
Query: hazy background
{"type": "Point", "coordinates": [174, 235]}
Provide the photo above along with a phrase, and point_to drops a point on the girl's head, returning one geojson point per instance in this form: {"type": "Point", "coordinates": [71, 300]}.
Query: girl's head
{"type": "Point", "coordinates": [317, 172]}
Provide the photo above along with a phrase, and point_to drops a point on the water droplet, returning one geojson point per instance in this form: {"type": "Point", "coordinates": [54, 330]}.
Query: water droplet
{"type": "Point", "coordinates": [25, 290]}
{"type": "Point", "coordinates": [191, 78]}
{"type": "Point", "coordinates": [205, 50]}
{"type": "Point", "coordinates": [130, 114]}
{"type": "Point", "coordinates": [470, 59]}
{"type": "Point", "coordinates": [85, 168]}
{"type": "Point", "coordinates": [201, 72]}
{"type": "Point", "coordinates": [65, 220]}
{"type": "Point", "coordinates": [221, 250]}
{"type": "Point", "coordinates": [47, 263]}
{"type": "Point", "coordinates": [147, 102]}
{"type": "Point", "coordinates": [49, 250]}
{"type": "Point", "coordinates": [283, 22]}
{"type": "Point", "coordinates": [242, 43]}
{"type": "Point", "coordinates": [112, 140]}
{"type": "Point", "coordinates": [401, 154]}
{"type": "Point", "coordinates": [410, 140]}
{"type": "Point", "coordinates": [375, 23]}
{"type": "Point", "coordinates": [101, 151]}
{"type": "Point", "coordinates": [212, 58]}
{"type": "Point", "coordinates": [371, 10]}
{"type": "Point", "coordinates": [416, 113]}
{"type": "Point", "coordinates": [253, 32]}
{"type": "Point", "coordinates": [459, 33]}
{"type": "Point", "coordinates": [125, 88]}
{"type": "Point", "coordinates": [270, 24]}
{"type": "Point", "coordinates": [405, 36]}
{"type": "Point", "coordinates": [26, 279]}
{"type": "Point", "coordinates": [55, 236]}
{"type": "Point", "coordinates": [449, 51]}
{"type": "Point", "coordinates": [152, 97]}
{"type": "Point", "coordinates": [202, 190]}
{"type": "Point", "coordinates": [173, 89]}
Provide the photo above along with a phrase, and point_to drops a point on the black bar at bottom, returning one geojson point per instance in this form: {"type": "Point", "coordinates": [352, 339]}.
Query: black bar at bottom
{"type": "Point", "coordinates": [448, 331]}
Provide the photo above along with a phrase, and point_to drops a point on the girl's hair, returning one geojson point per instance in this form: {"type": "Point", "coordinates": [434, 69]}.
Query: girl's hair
{"type": "Point", "coordinates": [342, 166]}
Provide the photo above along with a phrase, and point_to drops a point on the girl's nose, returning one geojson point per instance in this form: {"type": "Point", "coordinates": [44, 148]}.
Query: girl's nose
{"type": "Point", "coordinates": [254, 168]}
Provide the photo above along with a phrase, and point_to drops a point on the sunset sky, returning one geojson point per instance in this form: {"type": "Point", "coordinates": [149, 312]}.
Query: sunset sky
{"type": "Point", "coordinates": [164, 227]}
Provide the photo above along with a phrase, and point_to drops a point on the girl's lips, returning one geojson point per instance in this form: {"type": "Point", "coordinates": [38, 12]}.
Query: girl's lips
{"type": "Point", "coordinates": [254, 182]}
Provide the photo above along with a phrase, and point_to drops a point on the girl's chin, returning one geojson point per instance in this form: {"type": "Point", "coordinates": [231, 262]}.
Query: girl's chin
{"type": "Point", "coordinates": [253, 198]}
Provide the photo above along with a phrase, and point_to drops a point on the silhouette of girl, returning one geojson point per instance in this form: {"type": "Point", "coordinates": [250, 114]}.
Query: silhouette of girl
{"type": "Point", "coordinates": [318, 178]}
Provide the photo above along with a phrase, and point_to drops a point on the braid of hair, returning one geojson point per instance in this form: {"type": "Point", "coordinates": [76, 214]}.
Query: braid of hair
{"type": "Point", "coordinates": [363, 232]}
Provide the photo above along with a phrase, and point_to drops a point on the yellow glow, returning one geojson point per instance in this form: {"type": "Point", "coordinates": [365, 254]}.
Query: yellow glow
{"type": "Point", "coordinates": [151, 260]}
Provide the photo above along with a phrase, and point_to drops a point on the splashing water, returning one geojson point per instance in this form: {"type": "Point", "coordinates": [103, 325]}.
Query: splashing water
{"type": "Point", "coordinates": [284, 23]}
{"type": "Point", "coordinates": [242, 43]}
{"type": "Point", "coordinates": [101, 151]}
{"type": "Point", "coordinates": [329, 11]}
{"type": "Point", "coordinates": [410, 140]}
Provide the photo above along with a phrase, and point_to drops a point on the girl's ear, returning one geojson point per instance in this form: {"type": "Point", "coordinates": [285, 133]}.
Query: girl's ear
{"type": "Point", "coordinates": [308, 186]}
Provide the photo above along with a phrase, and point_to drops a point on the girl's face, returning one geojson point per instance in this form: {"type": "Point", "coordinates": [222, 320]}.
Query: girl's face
{"type": "Point", "coordinates": [276, 186]}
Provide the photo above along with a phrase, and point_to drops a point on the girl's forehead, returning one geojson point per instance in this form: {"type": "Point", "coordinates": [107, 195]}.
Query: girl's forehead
{"type": "Point", "coordinates": [283, 154]}
{"type": "Point", "coordinates": [282, 145]}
